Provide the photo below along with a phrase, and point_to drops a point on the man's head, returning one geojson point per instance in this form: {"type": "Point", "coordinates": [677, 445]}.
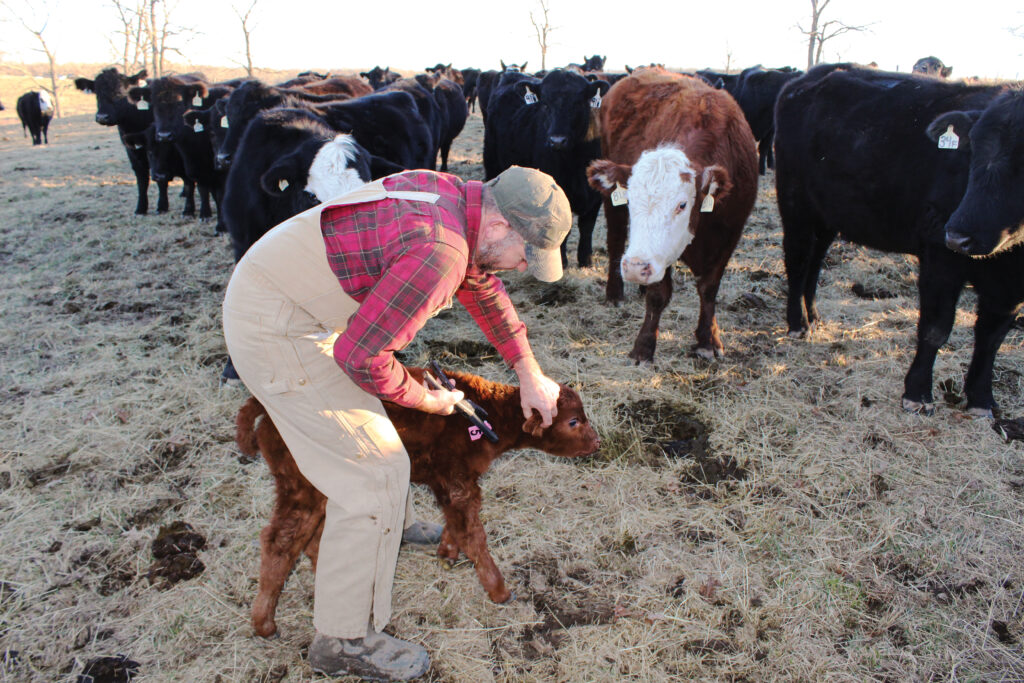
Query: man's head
{"type": "Point", "coordinates": [537, 210]}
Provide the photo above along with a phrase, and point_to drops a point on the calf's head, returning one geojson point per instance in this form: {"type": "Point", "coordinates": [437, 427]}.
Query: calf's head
{"type": "Point", "coordinates": [664, 190]}
{"type": "Point", "coordinates": [570, 435]}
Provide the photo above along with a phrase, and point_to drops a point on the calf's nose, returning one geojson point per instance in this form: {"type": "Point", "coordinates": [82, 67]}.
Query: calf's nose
{"type": "Point", "coordinates": [636, 270]}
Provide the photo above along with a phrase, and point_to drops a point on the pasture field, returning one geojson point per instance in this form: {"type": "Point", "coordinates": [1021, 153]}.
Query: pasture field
{"type": "Point", "coordinates": [770, 516]}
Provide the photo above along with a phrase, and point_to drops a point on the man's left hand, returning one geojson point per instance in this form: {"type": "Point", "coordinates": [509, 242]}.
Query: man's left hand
{"type": "Point", "coordinates": [536, 391]}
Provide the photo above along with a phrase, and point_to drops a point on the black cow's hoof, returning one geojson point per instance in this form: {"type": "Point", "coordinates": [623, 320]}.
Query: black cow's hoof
{"type": "Point", "coordinates": [229, 372]}
{"type": "Point", "coordinates": [980, 412]}
{"type": "Point", "coordinates": [926, 408]}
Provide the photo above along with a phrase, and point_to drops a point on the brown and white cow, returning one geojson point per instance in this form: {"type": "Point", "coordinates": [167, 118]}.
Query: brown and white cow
{"type": "Point", "coordinates": [680, 173]}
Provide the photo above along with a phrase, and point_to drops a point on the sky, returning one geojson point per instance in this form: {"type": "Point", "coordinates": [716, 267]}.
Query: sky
{"type": "Point", "coordinates": [975, 38]}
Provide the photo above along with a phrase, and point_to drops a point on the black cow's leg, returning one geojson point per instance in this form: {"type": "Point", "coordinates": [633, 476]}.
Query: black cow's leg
{"type": "Point", "coordinates": [218, 198]}
{"type": "Point", "coordinates": [658, 296]}
{"type": "Point", "coordinates": [205, 212]}
{"type": "Point", "coordinates": [763, 149]}
{"type": "Point", "coordinates": [989, 331]}
{"type": "Point", "coordinates": [162, 203]}
{"type": "Point", "coordinates": [585, 224]}
{"type": "Point", "coordinates": [803, 254]}
{"type": "Point", "coordinates": [939, 288]}
{"type": "Point", "coordinates": [617, 218]}
{"type": "Point", "coordinates": [188, 191]}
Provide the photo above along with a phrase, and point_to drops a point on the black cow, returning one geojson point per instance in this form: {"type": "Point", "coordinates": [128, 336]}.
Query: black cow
{"type": "Point", "coordinates": [380, 78]}
{"type": "Point", "coordinates": [854, 157]}
{"type": "Point", "coordinates": [720, 80]}
{"type": "Point", "coordinates": [470, 77]}
{"type": "Point", "coordinates": [594, 63]}
{"type": "Point", "coordinates": [550, 124]}
{"type": "Point", "coordinates": [214, 121]}
{"type": "Point", "coordinates": [35, 109]}
{"type": "Point", "coordinates": [452, 104]}
{"type": "Point", "coordinates": [756, 91]}
{"type": "Point", "coordinates": [932, 66]}
{"type": "Point", "coordinates": [250, 98]}
{"type": "Point", "coordinates": [165, 164]}
{"type": "Point", "coordinates": [1, 106]}
{"type": "Point", "coordinates": [429, 109]}
{"type": "Point", "coordinates": [113, 108]}
{"type": "Point", "coordinates": [488, 80]}
{"type": "Point", "coordinates": [170, 97]}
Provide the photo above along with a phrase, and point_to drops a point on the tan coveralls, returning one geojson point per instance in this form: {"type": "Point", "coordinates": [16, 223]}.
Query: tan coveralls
{"type": "Point", "coordinates": [283, 309]}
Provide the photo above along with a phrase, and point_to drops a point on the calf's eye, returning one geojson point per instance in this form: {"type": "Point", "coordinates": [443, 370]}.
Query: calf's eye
{"type": "Point", "coordinates": [573, 422]}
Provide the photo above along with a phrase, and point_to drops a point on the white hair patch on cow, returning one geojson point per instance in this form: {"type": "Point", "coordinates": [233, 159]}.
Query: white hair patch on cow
{"type": "Point", "coordinates": [45, 103]}
{"type": "Point", "coordinates": [662, 192]}
{"type": "Point", "coordinates": [330, 175]}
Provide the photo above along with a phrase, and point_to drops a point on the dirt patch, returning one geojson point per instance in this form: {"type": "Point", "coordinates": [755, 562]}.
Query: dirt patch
{"type": "Point", "coordinates": [470, 352]}
{"type": "Point", "coordinates": [873, 293]}
{"type": "Point", "coordinates": [117, 669]}
{"type": "Point", "coordinates": [556, 295]}
{"type": "Point", "coordinates": [943, 588]}
{"type": "Point", "coordinates": [174, 550]}
{"type": "Point", "coordinates": [663, 430]}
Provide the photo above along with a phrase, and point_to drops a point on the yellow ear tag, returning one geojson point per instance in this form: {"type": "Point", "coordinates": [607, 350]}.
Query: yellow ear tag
{"type": "Point", "coordinates": [142, 105]}
{"type": "Point", "coordinates": [949, 139]}
{"type": "Point", "coordinates": [197, 101]}
{"type": "Point", "coordinates": [224, 121]}
{"type": "Point", "coordinates": [282, 184]}
{"type": "Point", "coordinates": [708, 205]}
{"type": "Point", "coordinates": [619, 195]}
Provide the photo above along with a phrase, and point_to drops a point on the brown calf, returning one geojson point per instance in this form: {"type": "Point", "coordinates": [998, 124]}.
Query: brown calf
{"type": "Point", "coordinates": [444, 455]}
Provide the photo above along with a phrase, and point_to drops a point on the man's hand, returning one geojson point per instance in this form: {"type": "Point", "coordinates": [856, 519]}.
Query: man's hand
{"type": "Point", "coordinates": [440, 401]}
{"type": "Point", "coordinates": [536, 391]}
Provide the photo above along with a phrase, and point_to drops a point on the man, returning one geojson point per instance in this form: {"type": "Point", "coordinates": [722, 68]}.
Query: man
{"type": "Point", "coordinates": [345, 285]}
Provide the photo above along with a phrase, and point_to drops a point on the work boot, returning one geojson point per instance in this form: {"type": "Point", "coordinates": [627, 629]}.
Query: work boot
{"type": "Point", "coordinates": [377, 657]}
{"type": "Point", "coordinates": [423, 533]}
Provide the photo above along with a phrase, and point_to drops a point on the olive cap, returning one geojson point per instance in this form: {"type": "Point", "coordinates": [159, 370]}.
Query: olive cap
{"type": "Point", "coordinates": [537, 208]}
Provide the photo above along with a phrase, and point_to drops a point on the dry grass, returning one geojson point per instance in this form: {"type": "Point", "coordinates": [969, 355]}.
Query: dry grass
{"type": "Point", "coordinates": [840, 539]}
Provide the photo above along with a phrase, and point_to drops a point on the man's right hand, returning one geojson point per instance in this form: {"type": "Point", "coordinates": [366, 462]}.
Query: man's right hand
{"type": "Point", "coordinates": [440, 401]}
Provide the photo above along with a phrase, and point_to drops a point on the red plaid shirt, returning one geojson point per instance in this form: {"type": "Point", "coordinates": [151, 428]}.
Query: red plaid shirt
{"type": "Point", "coordinates": [403, 261]}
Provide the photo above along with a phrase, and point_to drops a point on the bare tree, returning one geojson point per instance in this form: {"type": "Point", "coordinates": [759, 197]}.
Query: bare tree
{"type": "Point", "coordinates": [161, 32]}
{"type": "Point", "coordinates": [132, 51]}
{"type": "Point", "coordinates": [822, 31]}
{"type": "Point", "coordinates": [543, 30]}
{"type": "Point", "coordinates": [247, 32]}
{"type": "Point", "coordinates": [35, 19]}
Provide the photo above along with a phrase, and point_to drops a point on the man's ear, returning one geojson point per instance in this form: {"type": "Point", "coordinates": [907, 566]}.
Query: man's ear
{"type": "Point", "coordinates": [534, 426]}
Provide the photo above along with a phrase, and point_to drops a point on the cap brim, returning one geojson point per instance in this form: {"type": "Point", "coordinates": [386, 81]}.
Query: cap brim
{"type": "Point", "coordinates": [544, 264]}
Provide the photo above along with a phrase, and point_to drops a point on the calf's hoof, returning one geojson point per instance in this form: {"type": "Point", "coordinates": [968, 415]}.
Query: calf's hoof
{"type": "Point", "coordinates": [926, 408]}
{"type": "Point", "coordinates": [708, 354]}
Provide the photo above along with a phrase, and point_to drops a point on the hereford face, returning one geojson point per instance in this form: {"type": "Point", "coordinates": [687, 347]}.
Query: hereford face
{"type": "Point", "coordinates": [662, 191]}
{"type": "Point", "coordinates": [990, 217]}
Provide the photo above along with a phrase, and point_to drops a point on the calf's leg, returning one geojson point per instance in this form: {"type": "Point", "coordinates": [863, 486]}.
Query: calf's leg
{"type": "Point", "coordinates": [989, 331]}
{"type": "Point", "coordinates": [462, 515]}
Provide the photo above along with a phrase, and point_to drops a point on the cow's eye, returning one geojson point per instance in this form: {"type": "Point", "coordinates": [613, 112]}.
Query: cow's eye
{"type": "Point", "coordinates": [682, 206]}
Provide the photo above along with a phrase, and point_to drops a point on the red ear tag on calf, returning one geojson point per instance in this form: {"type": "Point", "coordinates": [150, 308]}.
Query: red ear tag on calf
{"type": "Point", "coordinates": [475, 433]}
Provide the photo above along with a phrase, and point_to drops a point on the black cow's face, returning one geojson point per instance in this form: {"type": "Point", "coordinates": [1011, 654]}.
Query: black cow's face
{"type": "Point", "coordinates": [990, 217]}
{"type": "Point", "coordinates": [111, 89]}
{"type": "Point", "coordinates": [569, 102]}
{"type": "Point", "coordinates": [244, 103]}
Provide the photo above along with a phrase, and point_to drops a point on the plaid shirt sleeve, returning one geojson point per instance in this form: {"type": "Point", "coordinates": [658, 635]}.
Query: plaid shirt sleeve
{"type": "Point", "coordinates": [417, 283]}
{"type": "Point", "coordinates": [484, 296]}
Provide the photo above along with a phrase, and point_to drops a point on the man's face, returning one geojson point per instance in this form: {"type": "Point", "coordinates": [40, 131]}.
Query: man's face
{"type": "Point", "coordinates": [505, 253]}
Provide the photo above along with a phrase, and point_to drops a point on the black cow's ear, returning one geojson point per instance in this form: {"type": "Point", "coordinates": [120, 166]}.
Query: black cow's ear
{"type": "Point", "coordinates": [281, 177]}
{"type": "Point", "coordinates": [137, 93]}
{"type": "Point", "coordinates": [524, 86]}
{"type": "Point", "coordinates": [961, 121]}
{"type": "Point", "coordinates": [599, 86]}
{"type": "Point", "coordinates": [137, 77]}
{"type": "Point", "coordinates": [84, 84]}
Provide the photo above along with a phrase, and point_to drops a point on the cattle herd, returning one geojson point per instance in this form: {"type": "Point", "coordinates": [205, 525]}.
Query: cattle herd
{"type": "Point", "coordinates": [909, 163]}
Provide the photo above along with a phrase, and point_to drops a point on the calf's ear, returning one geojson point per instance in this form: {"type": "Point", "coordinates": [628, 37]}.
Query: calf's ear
{"type": "Point", "coordinates": [84, 84]}
{"type": "Point", "coordinates": [534, 426]}
{"type": "Point", "coordinates": [604, 175]}
{"type": "Point", "coordinates": [962, 122]}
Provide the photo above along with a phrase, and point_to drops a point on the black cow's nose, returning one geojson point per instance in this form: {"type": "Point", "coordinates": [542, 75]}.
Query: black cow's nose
{"type": "Point", "coordinates": [959, 243]}
{"type": "Point", "coordinates": [557, 141]}
{"type": "Point", "coordinates": [102, 119]}
{"type": "Point", "coordinates": [223, 160]}
{"type": "Point", "coordinates": [163, 136]}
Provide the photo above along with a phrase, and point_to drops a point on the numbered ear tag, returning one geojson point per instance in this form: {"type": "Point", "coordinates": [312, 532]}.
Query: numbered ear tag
{"type": "Point", "coordinates": [595, 101]}
{"type": "Point", "coordinates": [142, 105]}
{"type": "Point", "coordinates": [136, 146]}
{"type": "Point", "coordinates": [619, 195]}
{"type": "Point", "coordinates": [198, 127]}
{"type": "Point", "coordinates": [197, 101]}
{"type": "Point", "coordinates": [708, 205]}
{"type": "Point", "coordinates": [529, 97]}
{"type": "Point", "coordinates": [224, 121]}
{"type": "Point", "coordinates": [282, 184]}
{"type": "Point", "coordinates": [949, 139]}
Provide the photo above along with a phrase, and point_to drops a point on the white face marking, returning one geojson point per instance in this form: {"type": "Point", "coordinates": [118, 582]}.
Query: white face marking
{"type": "Point", "coordinates": [329, 174]}
{"type": "Point", "coordinates": [662, 191]}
